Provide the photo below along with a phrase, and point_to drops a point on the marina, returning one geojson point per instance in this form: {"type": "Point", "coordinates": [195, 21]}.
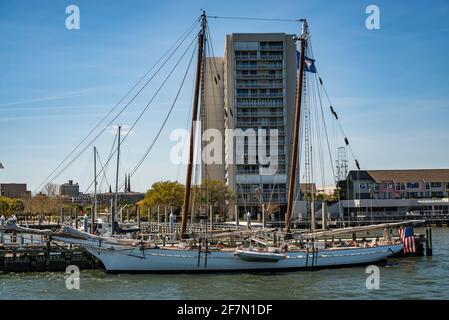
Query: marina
{"type": "Point", "coordinates": [288, 249]}
{"type": "Point", "coordinates": [401, 278]}
{"type": "Point", "coordinates": [247, 174]}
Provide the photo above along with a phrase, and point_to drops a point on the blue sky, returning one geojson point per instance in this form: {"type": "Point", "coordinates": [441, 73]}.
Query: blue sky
{"type": "Point", "coordinates": [389, 86]}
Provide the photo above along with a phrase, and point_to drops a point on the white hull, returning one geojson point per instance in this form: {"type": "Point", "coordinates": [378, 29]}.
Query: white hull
{"type": "Point", "coordinates": [135, 259]}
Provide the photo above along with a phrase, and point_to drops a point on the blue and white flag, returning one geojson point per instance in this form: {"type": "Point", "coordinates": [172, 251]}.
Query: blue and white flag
{"type": "Point", "coordinates": [1, 166]}
{"type": "Point", "coordinates": [309, 64]}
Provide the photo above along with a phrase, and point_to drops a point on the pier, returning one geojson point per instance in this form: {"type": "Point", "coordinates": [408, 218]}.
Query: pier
{"type": "Point", "coordinates": [25, 254]}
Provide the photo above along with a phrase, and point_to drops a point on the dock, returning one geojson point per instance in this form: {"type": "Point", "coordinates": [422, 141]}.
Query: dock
{"type": "Point", "coordinates": [41, 255]}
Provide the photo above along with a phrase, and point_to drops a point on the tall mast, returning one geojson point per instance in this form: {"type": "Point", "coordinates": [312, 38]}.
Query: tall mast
{"type": "Point", "coordinates": [199, 64]}
{"type": "Point", "coordinates": [114, 211]}
{"type": "Point", "coordinates": [94, 214]}
{"type": "Point", "coordinates": [294, 156]}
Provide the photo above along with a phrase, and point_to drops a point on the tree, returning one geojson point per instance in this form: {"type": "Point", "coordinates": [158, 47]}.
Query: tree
{"type": "Point", "coordinates": [50, 189]}
{"type": "Point", "coordinates": [10, 206]}
{"type": "Point", "coordinates": [165, 193]}
{"type": "Point", "coordinates": [214, 193]}
{"type": "Point", "coordinates": [5, 206]}
{"type": "Point", "coordinates": [41, 203]}
{"type": "Point", "coordinates": [17, 206]}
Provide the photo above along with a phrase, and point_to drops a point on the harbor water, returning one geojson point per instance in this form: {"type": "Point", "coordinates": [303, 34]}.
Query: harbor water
{"type": "Point", "coordinates": [402, 278]}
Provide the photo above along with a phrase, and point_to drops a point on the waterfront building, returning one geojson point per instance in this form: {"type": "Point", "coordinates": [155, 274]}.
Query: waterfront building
{"type": "Point", "coordinates": [252, 87]}
{"type": "Point", "coordinates": [398, 184]}
{"type": "Point", "coordinates": [398, 194]}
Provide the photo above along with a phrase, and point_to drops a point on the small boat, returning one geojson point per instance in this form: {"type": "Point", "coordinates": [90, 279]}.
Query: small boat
{"type": "Point", "coordinates": [256, 256]}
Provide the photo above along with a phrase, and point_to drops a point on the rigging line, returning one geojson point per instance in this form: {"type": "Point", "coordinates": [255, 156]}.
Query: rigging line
{"type": "Point", "coordinates": [213, 55]}
{"type": "Point", "coordinates": [88, 172]}
{"type": "Point", "coordinates": [322, 113]}
{"type": "Point", "coordinates": [319, 134]}
{"type": "Point", "coordinates": [255, 18]}
{"type": "Point", "coordinates": [166, 117]}
{"type": "Point", "coordinates": [295, 201]}
{"type": "Point", "coordinates": [212, 65]}
{"type": "Point", "coordinates": [325, 128]}
{"type": "Point", "coordinates": [273, 189]}
{"type": "Point", "coordinates": [123, 109]}
{"type": "Point", "coordinates": [338, 122]}
{"type": "Point", "coordinates": [319, 138]}
{"type": "Point", "coordinates": [151, 100]}
{"type": "Point", "coordinates": [243, 197]}
{"type": "Point", "coordinates": [183, 37]}
{"type": "Point", "coordinates": [104, 172]}
{"type": "Point", "coordinates": [187, 126]}
{"type": "Point", "coordinates": [105, 168]}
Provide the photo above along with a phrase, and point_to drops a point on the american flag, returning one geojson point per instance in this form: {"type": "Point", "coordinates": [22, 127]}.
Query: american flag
{"type": "Point", "coordinates": [408, 240]}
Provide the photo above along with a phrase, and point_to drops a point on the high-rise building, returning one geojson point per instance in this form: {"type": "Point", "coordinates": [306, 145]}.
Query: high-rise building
{"type": "Point", "coordinates": [258, 89]}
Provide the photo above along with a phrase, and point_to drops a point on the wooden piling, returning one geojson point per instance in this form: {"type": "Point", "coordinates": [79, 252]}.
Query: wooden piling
{"type": "Point", "coordinates": [138, 217]}
{"type": "Point", "coordinates": [76, 218]}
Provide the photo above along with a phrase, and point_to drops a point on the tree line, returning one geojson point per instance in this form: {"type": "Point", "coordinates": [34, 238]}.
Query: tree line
{"type": "Point", "coordinates": [210, 195]}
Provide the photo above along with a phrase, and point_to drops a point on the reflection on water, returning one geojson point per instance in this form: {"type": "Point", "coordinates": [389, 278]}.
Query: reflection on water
{"type": "Point", "coordinates": [409, 278]}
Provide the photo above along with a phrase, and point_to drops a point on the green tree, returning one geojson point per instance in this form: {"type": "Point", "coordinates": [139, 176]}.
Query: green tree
{"type": "Point", "coordinates": [214, 193]}
{"type": "Point", "coordinates": [10, 206]}
{"type": "Point", "coordinates": [165, 193]}
{"type": "Point", "coordinates": [17, 206]}
{"type": "Point", "coordinates": [5, 206]}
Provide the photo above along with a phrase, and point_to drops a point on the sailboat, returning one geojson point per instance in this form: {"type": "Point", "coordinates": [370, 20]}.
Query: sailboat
{"type": "Point", "coordinates": [195, 253]}
{"type": "Point", "coordinates": [119, 255]}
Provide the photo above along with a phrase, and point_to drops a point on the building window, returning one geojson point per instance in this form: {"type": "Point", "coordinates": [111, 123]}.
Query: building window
{"type": "Point", "coordinates": [435, 184]}
{"type": "Point", "coordinates": [412, 185]}
{"type": "Point", "coordinates": [438, 194]}
{"type": "Point", "coordinates": [244, 45]}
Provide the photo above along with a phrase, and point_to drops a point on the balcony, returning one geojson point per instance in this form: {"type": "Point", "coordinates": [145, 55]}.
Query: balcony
{"type": "Point", "coordinates": [259, 76]}
{"type": "Point", "coordinates": [271, 47]}
{"type": "Point", "coordinates": [259, 123]}
{"type": "Point", "coordinates": [260, 103]}
{"type": "Point", "coordinates": [257, 85]}
{"type": "Point", "coordinates": [259, 57]}
{"type": "Point", "coordinates": [246, 57]}
{"type": "Point", "coordinates": [260, 95]}
{"type": "Point", "coordinates": [260, 114]}
{"type": "Point", "coordinates": [259, 66]}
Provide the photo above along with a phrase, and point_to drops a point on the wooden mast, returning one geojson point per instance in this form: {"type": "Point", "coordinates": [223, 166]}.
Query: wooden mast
{"type": "Point", "coordinates": [294, 149]}
{"type": "Point", "coordinates": [198, 78]}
